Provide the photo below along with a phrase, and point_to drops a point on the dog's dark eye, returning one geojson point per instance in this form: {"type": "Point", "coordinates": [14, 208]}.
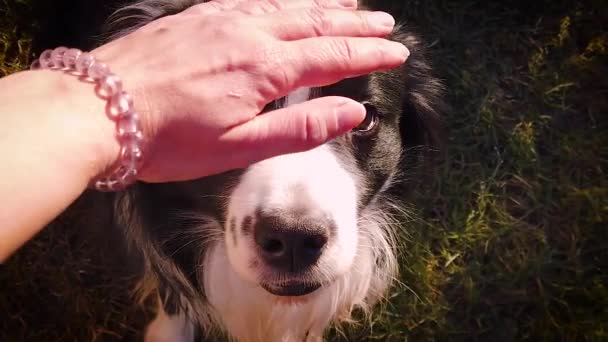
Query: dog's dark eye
{"type": "Point", "coordinates": [371, 120]}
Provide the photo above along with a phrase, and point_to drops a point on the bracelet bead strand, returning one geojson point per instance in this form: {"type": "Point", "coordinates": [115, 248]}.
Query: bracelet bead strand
{"type": "Point", "coordinates": [120, 107]}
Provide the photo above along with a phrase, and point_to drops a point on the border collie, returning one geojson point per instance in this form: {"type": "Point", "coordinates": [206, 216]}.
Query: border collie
{"type": "Point", "coordinates": [289, 246]}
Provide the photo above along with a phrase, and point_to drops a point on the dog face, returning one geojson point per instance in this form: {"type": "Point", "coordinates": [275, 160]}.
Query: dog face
{"type": "Point", "coordinates": [299, 226]}
{"type": "Point", "coordinates": [292, 220]}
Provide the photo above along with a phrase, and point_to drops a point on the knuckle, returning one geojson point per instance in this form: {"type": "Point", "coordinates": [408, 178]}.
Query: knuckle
{"type": "Point", "coordinates": [204, 8]}
{"type": "Point", "coordinates": [279, 80]}
{"type": "Point", "coordinates": [320, 21]}
{"type": "Point", "coordinates": [275, 5]}
{"type": "Point", "coordinates": [225, 3]}
{"type": "Point", "coordinates": [250, 10]}
{"type": "Point", "coordinates": [261, 7]}
{"type": "Point", "coordinates": [364, 21]}
{"type": "Point", "coordinates": [320, 3]}
{"type": "Point", "coordinates": [270, 65]}
{"type": "Point", "coordinates": [343, 50]}
{"type": "Point", "coordinates": [314, 130]}
{"type": "Point", "coordinates": [210, 6]}
{"type": "Point", "coordinates": [222, 29]}
{"type": "Point", "coordinates": [271, 59]}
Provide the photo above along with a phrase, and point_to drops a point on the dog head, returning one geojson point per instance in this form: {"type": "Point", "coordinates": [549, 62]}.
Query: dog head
{"type": "Point", "coordinates": [294, 225]}
{"type": "Point", "coordinates": [297, 222]}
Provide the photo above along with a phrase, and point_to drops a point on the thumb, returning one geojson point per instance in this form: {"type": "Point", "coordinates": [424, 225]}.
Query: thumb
{"type": "Point", "coordinates": [296, 128]}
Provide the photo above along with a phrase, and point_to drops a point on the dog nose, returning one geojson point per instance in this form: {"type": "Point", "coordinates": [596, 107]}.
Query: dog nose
{"type": "Point", "coordinates": [291, 244]}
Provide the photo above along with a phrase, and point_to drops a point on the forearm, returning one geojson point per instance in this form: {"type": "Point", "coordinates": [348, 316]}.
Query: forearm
{"type": "Point", "coordinates": [54, 138]}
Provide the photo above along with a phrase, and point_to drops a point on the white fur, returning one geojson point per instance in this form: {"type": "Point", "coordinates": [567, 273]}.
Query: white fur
{"type": "Point", "coordinates": [250, 314]}
{"type": "Point", "coordinates": [165, 328]}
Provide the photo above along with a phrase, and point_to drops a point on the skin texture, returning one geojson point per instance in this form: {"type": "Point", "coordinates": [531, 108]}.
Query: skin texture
{"type": "Point", "coordinates": [200, 104]}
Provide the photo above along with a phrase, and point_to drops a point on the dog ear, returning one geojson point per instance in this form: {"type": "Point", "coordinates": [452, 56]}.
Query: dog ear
{"type": "Point", "coordinates": [422, 104]}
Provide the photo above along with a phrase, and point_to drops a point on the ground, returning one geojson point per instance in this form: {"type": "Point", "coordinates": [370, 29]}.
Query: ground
{"type": "Point", "coordinates": [507, 243]}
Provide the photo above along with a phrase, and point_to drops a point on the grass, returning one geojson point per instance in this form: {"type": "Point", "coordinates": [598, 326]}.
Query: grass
{"type": "Point", "coordinates": [510, 241]}
{"type": "Point", "coordinates": [15, 37]}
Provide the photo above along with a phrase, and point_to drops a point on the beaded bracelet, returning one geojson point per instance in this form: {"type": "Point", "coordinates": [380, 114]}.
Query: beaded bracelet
{"type": "Point", "coordinates": [120, 109]}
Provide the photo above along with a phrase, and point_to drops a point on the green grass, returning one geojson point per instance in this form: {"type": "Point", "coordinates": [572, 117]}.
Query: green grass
{"type": "Point", "coordinates": [15, 35]}
{"type": "Point", "coordinates": [511, 240]}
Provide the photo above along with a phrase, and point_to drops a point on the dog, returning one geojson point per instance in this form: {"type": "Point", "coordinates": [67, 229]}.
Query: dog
{"type": "Point", "coordinates": [292, 245]}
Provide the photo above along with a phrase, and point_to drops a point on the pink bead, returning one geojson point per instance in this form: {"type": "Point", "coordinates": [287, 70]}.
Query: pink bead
{"type": "Point", "coordinates": [83, 62]}
{"type": "Point", "coordinates": [36, 65]}
{"type": "Point", "coordinates": [57, 57]}
{"type": "Point", "coordinates": [128, 128]}
{"type": "Point", "coordinates": [131, 156]}
{"type": "Point", "coordinates": [110, 85]}
{"type": "Point", "coordinates": [98, 70]}
{"type": "Point", "coordinates": [45, 59]}
{"type": "Point", "coordinates": [69, 58]}
{"type": "Point", "coordinates": [120, 104]}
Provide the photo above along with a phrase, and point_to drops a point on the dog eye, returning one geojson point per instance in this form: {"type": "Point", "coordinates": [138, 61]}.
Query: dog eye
{"type": "Point", "coordinates": [371, 120]}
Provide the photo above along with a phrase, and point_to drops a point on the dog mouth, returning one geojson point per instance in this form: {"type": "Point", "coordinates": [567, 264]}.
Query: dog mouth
{"type": "Point", "coordinates": [291, 289]}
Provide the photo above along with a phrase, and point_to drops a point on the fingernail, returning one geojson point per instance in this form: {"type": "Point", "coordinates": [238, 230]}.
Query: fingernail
{"type": "Point", "coordinates": [348, 3]}
{"type": "Point", "coordinates": [350, 114]}
{"type": "Point", "coordinates": [397, 50]}
{"type": "Point", "coordinates": [381, 19]}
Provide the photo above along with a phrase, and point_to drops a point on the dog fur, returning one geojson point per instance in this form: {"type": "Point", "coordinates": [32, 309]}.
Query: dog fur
{"type": "Point", "coordinates": [198, 241]}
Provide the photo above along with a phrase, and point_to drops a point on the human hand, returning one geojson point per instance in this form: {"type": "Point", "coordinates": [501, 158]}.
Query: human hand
{"type": "Point", "coordinates": [201, 78]}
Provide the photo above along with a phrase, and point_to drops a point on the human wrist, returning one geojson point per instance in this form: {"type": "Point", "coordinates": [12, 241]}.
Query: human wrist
{"type": "Point", "coordinates": [97, 145]}
{"type": "Point", "coordinates": [76, 118]}
{"type": "Point", "coordinates": [119, 109]}
{"type": "Point", "coordinates": [54, 138]}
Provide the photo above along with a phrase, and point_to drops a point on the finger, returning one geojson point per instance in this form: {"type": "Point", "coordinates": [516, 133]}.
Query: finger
{"type": "Point", "coordinates": [315, 22]}
{"type": "Point", "coordinates": [297, 128]}
{"type": "Point", "coordinates": [258, 7]}
{"type": "Point", "coordinates": [316, 62]}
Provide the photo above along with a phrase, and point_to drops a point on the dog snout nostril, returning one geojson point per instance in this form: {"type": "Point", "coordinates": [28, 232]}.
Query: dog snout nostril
{"type": "Point", "coordinates": [314, 243]}
{"type": "Point", "coordinates": [273, 246]}
{"type": "Point", "coordinates": [290, 244]}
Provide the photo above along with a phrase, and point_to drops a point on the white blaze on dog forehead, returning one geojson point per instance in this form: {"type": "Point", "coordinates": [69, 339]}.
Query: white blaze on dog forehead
{"type": "Point", "coordinates": [312, 180]}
